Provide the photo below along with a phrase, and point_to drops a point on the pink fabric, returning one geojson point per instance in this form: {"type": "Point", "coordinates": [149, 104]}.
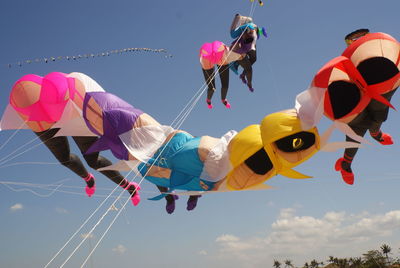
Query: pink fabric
{"type": "Point", "coordinates": [31, 78]}
{"type": "Point", "coordinates": [56, 89]}
{"type": "Point", "coordinates": [90, 191]}
{"type": "Point", "coordinates": [72, 89]}
{"type": "Point", "coordinates": [213, 51]}
{"type": "Point", "coordinates": [136, 198]}
{"type": "Point", "coordinates": [53, 97]}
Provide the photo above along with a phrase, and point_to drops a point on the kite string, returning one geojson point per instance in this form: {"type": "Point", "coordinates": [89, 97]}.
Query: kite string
{"type": "Point", "coordinates": [82, 225]}
{"type": "Point", "coordinates": [12, 136]}
{"type": "Point", "coordinates": [186, 113]}
{"type": "Point", "coordinates": [50, 186]}
{"type": "Point", "coordinates": [204, 86]}
{"type": "Point", "coordinates": [4, 161]}
{"type": "Point", "coordinates": [87, 220]}
{"type": "Point", "coordinates": [27, 163]}
{"type": "Point", "coordinates": [8, 157]}
{"type": "Point", "coordinates": [32, 191]}
{"type": "Point", "coordinates": [95, 225]}
{"type": "Point", "coordinates": [179, 124]}
{"type": "Point", "coordinates": [103, 216]}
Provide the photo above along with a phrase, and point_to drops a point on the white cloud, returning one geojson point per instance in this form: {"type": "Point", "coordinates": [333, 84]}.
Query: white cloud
{"type": "Point", "coordinates": [301, 237]}
{"type": "Point", "coordinates": [202, 252]}
{"type": "Point", "coordinates": [120, 249]}
{"type": "Point", "coordinates": [16, 207]}
{"type": "Point", "coordinates": [227, 238]}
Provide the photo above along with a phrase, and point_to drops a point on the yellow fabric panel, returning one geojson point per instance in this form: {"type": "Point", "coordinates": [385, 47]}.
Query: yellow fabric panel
{"type": "Point", "coordinates": [242, 177]}
{"type": "Point", "coordinates": [279, 125]}
{"type": "Point", "coordinates": [283, 124]}
{"type": "Point", "coordinates": [293, 174]}
{"type": "Point", "coordinates": [246, 143]}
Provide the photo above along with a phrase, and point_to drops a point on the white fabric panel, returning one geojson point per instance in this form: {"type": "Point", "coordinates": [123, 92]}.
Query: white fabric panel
{"type": "Point", "coordinates": [349, 132]}
{"type": "Point", "coordinates": [123, 166]}
{"type": "Point", "coordinates": [217, 165]}
{"type": "Point", "coordinates": [70, 112]}
{"type": "Point", "coordinates": [334, 146]}
{"type": "Point", "coordinates": [143, 142]}
{"type": "Point", "coordinates": [310, 106]}
{"type": "Point", "coordinates": [11, 120]}
{"type": "Point", "coordinates": [89, 83]}
{"type": "Point", "coordinates": [72, 123]}
{"type": "Point", "coordinates": [74, 127]}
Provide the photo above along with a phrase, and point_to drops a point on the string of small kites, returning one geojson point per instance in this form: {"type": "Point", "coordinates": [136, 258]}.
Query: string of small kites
{"type": "Point", "coordinates": [90, 55]}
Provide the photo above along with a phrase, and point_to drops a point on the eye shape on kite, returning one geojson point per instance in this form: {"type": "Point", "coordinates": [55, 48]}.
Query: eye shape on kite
{"type": "Point", "coordinates": [377, 69]}
{"type": "Point", "coordinates": [344, 97]}
{"type": "Point", "coordinates": [296, 142]}
{"type": "Point", "coordinates": [259, 162]}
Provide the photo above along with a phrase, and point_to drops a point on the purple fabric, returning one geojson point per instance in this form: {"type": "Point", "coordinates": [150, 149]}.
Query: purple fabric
{"type": "Point", "coordinates": [118, 117]}
{"type": "Point", "coordinates": [244, 47]}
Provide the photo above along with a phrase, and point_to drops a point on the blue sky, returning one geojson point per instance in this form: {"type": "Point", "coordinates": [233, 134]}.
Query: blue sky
{"type": "Point", "coordinates": [297, 220]}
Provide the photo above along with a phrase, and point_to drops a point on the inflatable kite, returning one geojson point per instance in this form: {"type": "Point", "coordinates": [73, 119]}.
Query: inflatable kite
{"type": "Point", "coordinates": [53, 102]}
{"type": "Point", "coordinates": [354, 90]}
{"type": "Point", "coordinates": [246, 34]}
{"type": "Point", "coordinates": [60, 105]}
{"type": "Point", "coordinates": [176, 160]}
{"type": "Point", "coordinates": [216, 53]}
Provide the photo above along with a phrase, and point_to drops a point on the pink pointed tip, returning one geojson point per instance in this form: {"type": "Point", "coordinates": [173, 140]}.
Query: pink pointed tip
{"type": "Point", "coordinates": [90, 191]}
{"type": "Point", "coordinates": [136, 199]}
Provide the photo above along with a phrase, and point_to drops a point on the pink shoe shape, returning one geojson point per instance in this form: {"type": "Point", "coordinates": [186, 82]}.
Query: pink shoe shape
{"type": "Point", "coordinates": [348, 177]}
{"type": "Point", "coordinates": [226, 103]}
{"type": "Point", "coordinates": [136, 196]}
{"type": "Point", "coordinates": [90, 190]}
{"type": "Point", "coordinates": [209, 105]}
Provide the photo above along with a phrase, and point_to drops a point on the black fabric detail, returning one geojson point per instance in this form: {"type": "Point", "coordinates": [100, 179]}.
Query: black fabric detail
{"type": "Point", "coordinates": [259, 163]}
{"type": "Point", "coordinates": [344, 97]}
{"type": "Point", "coordinates": [376, 70]}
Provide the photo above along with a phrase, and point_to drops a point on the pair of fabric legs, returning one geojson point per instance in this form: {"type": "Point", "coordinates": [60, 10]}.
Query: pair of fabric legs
{"type": "Point", "coordinates": [247, 63]}
{"type": "Point", "coordinates": [170, 207]}
{"type": "Point", "coordinates": [370, 119]}
{"type": "Point", "coordinates": [209, 77]}
{"type": "Point", "coordinates": [60, 148]}
{"type": "Point", "coordinates": [223, 70]}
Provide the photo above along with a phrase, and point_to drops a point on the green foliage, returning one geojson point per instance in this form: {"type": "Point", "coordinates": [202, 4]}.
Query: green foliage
{"type": "Point", "coordinates": [371, 259]}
